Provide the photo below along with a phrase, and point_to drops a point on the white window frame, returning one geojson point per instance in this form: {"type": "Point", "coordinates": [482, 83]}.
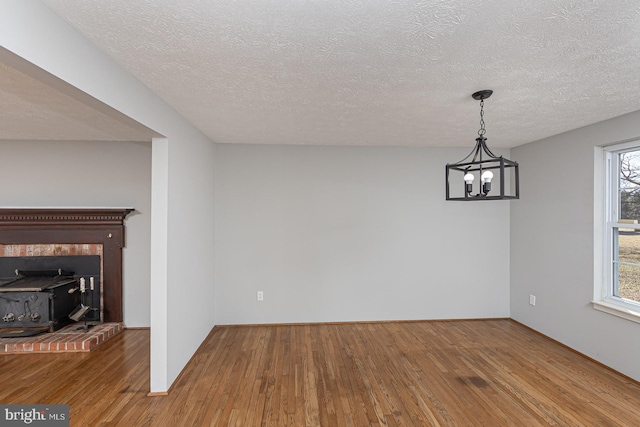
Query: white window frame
{"type": "Point", "coordinates": [604, 298]}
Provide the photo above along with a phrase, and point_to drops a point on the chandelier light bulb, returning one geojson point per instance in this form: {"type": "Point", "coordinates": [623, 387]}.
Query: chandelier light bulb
{"type": "Point", "coordinates": [487, 176]}
{"type": "Point", "coordinates": [468, 182]}
{"type": "Point", "coordinates": [468, 178]}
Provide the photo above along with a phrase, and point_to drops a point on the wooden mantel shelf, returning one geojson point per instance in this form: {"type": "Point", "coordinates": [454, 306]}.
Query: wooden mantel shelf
{"type": "Point", "coordinates": [63, 216]}
{"type": "Point", "coordinates": [103, 226]}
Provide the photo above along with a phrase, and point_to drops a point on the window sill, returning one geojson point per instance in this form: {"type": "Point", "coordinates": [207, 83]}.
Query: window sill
{"type": "Point", "coordinates": [617, 309]}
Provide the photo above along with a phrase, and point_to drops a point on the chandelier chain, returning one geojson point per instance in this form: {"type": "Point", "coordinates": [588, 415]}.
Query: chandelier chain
{"type": "Point", "coordinates": [482, 130]}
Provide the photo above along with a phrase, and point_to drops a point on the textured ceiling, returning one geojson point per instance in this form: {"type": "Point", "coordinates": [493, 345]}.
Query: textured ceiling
{"type": "Point", "coordinates": [33, 110]}
{"type": "Point", "coordinates": [373, 72]}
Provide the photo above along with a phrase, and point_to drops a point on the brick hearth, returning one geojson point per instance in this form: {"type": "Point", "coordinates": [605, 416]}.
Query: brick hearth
{"type": "Point", "coordinates": [66, 340]}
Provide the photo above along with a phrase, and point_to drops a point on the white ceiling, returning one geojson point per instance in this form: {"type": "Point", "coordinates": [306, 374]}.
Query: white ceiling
{"type": "Point", "coordinates": [34, 110]}
{"type": "Point", "coordinates": [374, 72]}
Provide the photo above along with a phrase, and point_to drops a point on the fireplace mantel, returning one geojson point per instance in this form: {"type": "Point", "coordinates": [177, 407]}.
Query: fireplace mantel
{"type": "Point", "coordinates": [75, 226]}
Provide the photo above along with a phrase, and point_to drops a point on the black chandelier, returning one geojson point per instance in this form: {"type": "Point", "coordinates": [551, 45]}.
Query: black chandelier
{"type": "Point", "coordinates": [480, 166]}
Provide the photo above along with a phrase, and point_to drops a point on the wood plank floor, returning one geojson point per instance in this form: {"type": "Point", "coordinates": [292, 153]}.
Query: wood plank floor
{"type": "Point", "coordinates": [458, 373]}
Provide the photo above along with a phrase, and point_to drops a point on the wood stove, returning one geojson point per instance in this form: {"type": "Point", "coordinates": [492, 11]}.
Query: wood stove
{"type": "Point", "coordinates": [45, 293]}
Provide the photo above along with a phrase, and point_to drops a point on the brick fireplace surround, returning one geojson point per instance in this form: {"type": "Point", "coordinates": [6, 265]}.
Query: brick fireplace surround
{"type": "Point", "coordinates": [55, 232]}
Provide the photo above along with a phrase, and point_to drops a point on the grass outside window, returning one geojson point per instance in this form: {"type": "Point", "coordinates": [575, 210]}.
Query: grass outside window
{"type": "Point", "coordinates": [629, 275]}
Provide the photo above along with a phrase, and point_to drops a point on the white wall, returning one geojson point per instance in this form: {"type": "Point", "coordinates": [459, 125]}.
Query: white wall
{"type": "Point", "coordinates": [89, 174]}
{"type": "Point", "coordinates": [184, 225]}
{"type": "Point", "coordinates": [353, 233]}
{"type": "Point", "coordinates": [552, 245]}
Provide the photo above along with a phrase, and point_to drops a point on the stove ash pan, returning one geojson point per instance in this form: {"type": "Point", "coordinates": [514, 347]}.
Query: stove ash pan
{"type": "Point", "coordinates": [37, 295]}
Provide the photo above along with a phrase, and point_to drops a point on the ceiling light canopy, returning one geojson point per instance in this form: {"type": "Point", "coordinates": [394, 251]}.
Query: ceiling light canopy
{"type": "Point", "coordinates": [481, 165]}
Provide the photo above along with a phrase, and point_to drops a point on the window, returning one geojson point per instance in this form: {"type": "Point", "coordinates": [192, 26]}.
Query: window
{"type": "Point", "coordinates": [621, 288]}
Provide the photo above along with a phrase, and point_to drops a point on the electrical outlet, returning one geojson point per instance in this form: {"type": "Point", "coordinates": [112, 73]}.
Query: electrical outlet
{"type": "Point", "coordinates": [532, 300]}
{"type": "Point", "coordinates": [260, 296]}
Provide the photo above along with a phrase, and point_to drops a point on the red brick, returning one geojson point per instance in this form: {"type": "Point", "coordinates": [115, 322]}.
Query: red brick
{"type": "Point", "coordinates": [66, 339]}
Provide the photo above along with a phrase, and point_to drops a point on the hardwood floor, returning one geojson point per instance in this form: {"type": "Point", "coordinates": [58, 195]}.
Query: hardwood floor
{"type": "Point", "coordinates": [457, 373]}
